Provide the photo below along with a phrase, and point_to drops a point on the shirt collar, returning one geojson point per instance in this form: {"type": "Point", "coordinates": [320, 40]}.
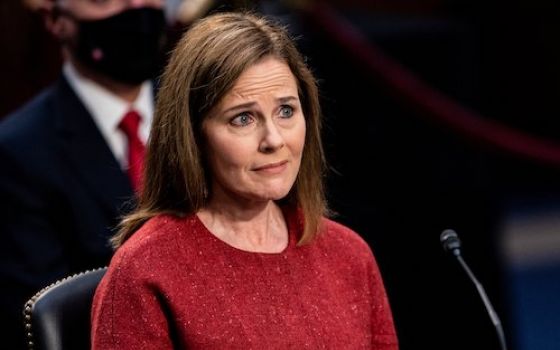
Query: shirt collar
{"type": "Point", "coordinates": [106, 108]}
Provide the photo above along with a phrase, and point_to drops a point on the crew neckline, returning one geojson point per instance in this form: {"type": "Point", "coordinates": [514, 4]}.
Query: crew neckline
{"type": "Point", "coordinates": [292, 236]}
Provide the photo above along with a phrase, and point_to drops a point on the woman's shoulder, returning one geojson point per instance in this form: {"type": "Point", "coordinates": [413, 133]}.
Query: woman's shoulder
{"type": "Point", "coordinates": [151, 255]}
{"type": "Point", "coordinates": [345, 252]}
{"type": "Point", "coordinates": [156, 230]}
{"type": "Point", "coordinates": [156, 240]}
{"type": "Point", "coordinates": [345, 239]}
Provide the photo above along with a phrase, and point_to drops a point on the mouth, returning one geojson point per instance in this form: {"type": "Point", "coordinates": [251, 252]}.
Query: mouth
{"type": "Point", "coordinates": [272, 167]}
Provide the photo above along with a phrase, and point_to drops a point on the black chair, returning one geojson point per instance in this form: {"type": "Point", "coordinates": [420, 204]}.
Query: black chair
{"type": "Point", "coordinates": [58, 316]}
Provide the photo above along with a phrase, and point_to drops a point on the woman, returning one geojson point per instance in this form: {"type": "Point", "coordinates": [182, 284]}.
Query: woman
{"type": "Point", "coordinates": [230, 246]}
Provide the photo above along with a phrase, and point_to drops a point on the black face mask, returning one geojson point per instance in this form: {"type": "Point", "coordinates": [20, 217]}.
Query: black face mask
{"type": "Point", "coordinates": [126, 47]}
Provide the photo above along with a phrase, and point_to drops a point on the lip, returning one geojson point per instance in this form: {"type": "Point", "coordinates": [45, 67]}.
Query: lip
{"type": "Point", "coordinates": [272, 167]}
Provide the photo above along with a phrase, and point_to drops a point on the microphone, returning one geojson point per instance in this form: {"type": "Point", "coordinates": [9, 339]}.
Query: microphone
{"type": "Point", "coordinates": [452, 244]}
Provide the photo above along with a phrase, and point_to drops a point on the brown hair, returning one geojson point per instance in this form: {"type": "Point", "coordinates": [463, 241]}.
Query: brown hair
{"type": "Point", "coordinates": [203, 66]}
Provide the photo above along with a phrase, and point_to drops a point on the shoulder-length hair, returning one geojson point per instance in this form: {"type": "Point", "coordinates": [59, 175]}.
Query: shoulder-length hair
{"type": "Point", "coordinates": [203, 67]}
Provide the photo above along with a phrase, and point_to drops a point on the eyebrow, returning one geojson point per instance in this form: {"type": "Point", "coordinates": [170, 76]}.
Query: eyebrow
{"type": "Point", "coordinates": [251, 104]}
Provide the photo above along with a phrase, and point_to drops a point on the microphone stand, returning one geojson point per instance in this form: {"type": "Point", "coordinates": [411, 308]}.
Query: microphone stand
{"type": "Point", "coordinates": [452, 244]}
{"type": "Point", "coordinates": [491, 312]}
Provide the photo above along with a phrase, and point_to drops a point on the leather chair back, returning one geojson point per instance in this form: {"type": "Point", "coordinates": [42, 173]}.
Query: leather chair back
{"type": "Point", "coordinates": [58, 316]}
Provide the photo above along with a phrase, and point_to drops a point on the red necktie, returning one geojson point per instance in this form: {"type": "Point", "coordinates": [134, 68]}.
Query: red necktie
{"type": "Point", "coordinates": [136, 150]}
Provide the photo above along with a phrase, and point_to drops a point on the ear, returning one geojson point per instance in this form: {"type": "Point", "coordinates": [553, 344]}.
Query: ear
{"type": "Point", "coordinates": [60, 26]}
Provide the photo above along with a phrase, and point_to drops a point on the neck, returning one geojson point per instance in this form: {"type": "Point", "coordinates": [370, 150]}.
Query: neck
{"type": "Point", "coordinates": [258, 229]}
{"type": "Point", "coordinates": [127, 92]}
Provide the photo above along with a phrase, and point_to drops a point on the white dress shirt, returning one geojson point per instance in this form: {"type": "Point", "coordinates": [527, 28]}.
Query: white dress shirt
{"type": "Point", "coordinates": [107, 110]}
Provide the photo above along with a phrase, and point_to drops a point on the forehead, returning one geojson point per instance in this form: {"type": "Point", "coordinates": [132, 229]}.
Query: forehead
{"type": "Point", "coordinates": [268, 74]}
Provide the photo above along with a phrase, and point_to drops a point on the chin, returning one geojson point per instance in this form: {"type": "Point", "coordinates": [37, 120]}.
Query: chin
{"type": "Point", "coordinates": [273, 195]}
{"type": "Point", "coordinates": [271, 191]}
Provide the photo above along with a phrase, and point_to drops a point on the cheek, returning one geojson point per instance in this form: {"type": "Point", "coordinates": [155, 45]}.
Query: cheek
{"type": "Point", "coordinates": [297, 141]}
{"type": "Point", "coordinates": [227, 155]}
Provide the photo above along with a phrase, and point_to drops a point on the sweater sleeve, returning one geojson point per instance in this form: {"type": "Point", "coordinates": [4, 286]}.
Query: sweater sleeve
{"type": "Point", "coordinates": [384, 336]}
{"type": "Point", "coordinates": [127, 310]}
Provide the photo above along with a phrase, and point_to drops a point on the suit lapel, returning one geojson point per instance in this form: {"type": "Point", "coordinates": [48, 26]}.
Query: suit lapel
{"type": "Point", "coordinates": [88, 153]}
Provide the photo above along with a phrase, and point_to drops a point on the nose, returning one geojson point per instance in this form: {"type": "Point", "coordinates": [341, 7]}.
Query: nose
{"type": "Point", "coordinates": [272, 138]}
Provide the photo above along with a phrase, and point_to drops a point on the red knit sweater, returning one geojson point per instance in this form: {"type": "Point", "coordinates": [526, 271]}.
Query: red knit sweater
{"type": "Point", "coordinates": [173, 285]}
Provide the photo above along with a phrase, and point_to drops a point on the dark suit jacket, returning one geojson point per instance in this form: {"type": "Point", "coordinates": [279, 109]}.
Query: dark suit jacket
{"type": "Point", "coordinates": [61, 193]}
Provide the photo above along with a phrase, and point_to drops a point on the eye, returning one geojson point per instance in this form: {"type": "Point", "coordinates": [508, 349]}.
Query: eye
{"type": "Point", "coordinates": [242, 119]}
{"type": "Point", "coordinates": [286, 111]}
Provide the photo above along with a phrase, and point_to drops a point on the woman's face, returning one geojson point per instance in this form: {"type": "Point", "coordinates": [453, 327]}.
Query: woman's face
{"type": "Point", "coordinates": [256, 134]}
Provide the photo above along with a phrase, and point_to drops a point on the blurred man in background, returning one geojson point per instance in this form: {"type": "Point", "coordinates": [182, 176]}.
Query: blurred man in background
{"type": "Point", "coordinates": [72, 157]}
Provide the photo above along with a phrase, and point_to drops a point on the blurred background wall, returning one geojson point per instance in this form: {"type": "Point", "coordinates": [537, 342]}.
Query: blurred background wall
{"type": "Point", "coordinates": [29, 58]}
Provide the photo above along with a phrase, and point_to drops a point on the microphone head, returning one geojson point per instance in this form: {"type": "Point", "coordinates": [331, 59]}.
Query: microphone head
{"type": "Point", "coordinates": [450, 241]}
